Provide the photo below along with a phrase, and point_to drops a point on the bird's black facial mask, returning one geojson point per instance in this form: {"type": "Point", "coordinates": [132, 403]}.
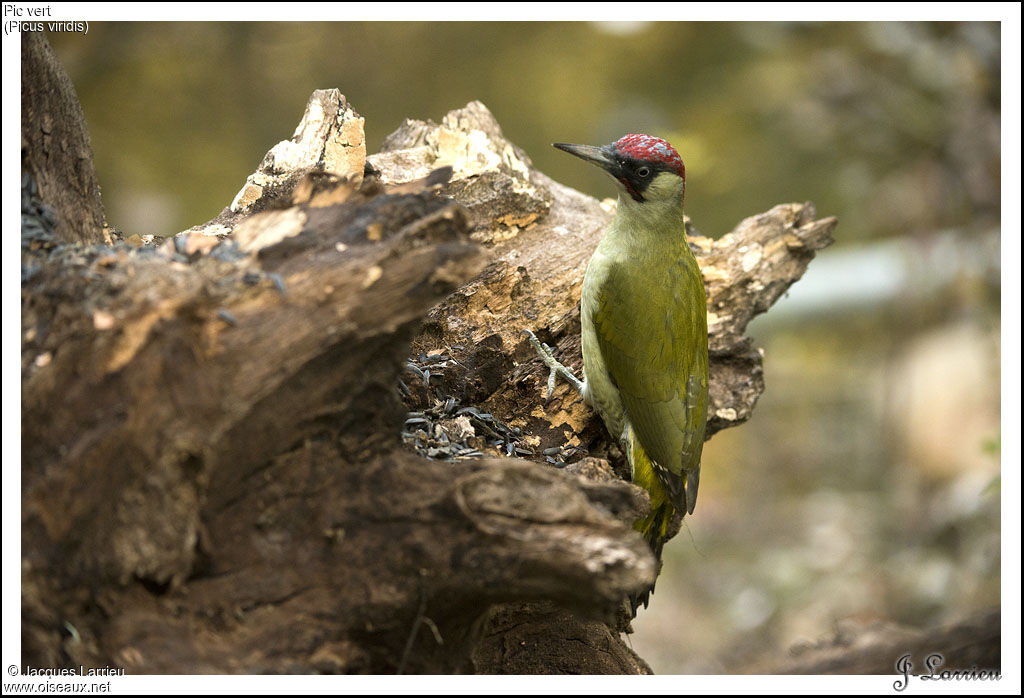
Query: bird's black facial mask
{"type": "Point", "coordinates": [634, 175]}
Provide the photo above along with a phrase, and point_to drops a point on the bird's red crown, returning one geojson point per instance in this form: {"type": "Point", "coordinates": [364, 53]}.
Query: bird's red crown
{"type": "Point", "coordinates": [643, 147]}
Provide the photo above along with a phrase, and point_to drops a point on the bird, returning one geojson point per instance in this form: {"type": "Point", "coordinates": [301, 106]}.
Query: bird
{"type": "Point", "coordinates": [643, 315]}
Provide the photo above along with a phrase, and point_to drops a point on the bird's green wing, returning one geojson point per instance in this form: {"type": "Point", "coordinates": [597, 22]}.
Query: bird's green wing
{"type": "Point", "coordinates": [651, 330]}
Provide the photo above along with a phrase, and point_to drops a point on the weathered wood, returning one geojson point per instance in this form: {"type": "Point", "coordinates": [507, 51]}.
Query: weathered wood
{"type": "Point", "coordinates": [328, 144]}
{"type": "Point", "coordinates": [55, 147]}
{"type": "Point", "coordinates": [214, 476]}
{"type": "Point", "coordinates": [875, 647]}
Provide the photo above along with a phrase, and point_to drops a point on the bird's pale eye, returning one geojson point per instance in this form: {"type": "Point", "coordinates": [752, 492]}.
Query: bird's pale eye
{"type": "Point", "coordinates": [643, 172]}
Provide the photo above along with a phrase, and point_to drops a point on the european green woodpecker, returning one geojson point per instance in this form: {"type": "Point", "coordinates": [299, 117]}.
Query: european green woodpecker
{"type": "Point", "coordinates": [644, 327]}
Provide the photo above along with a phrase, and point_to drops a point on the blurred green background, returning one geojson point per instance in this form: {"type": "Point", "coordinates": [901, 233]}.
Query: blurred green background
{"type": "Point", "coordinates": [866, 485]}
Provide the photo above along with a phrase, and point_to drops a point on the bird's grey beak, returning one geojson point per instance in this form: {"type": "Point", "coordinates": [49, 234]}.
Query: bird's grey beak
{"type": "Point", "coordinates": [590, 153]}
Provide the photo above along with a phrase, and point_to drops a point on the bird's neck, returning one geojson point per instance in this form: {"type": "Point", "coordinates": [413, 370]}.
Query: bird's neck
{"type": "Point", "coordinates": [650, 229]}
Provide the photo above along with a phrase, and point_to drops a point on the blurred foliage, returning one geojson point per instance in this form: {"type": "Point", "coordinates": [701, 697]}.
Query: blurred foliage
{"type": "Point", "coordinates": [893, 127]}
{"type": "Point", "coordinates": [862, 487]}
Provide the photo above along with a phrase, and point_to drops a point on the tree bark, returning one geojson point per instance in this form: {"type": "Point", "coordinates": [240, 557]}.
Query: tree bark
{"type": "Point", "coordinates": [55, 148]}
{"type": "Point", "coordinates": [875, 647]}
{"type": "Point", "coordinates": [225, 436]}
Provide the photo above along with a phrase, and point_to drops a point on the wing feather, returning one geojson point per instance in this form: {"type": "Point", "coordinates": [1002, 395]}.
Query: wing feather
{"type": "Point", "coordinates": [654, 347]}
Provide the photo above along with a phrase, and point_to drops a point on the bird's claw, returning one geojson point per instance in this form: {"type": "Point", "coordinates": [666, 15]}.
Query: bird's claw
{"type": "Point", "coordinates": [551, 383]}
{"type": "Point", "coordinates": [546, 355]}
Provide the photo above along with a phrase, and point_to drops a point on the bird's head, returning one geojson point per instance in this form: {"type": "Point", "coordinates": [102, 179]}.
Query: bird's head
{"type": "Point", "coordinates": [647, 168]}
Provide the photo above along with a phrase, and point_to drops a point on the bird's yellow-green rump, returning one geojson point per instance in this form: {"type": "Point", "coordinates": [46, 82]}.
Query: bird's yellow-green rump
{"type": "Point", "coordinates": [644, 330]}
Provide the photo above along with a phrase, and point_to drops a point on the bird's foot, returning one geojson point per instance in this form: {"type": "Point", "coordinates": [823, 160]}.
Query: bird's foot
{"type": "Point", "coordinates": [544, 351]}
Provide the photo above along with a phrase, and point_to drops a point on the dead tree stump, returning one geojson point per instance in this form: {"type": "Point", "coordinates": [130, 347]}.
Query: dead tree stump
{"type": "Point", "coordinates": [224, 433]}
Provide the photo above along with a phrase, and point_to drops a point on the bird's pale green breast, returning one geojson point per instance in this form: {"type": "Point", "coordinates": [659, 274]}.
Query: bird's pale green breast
{"type": "Point", "coordinates": [645, 345]}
